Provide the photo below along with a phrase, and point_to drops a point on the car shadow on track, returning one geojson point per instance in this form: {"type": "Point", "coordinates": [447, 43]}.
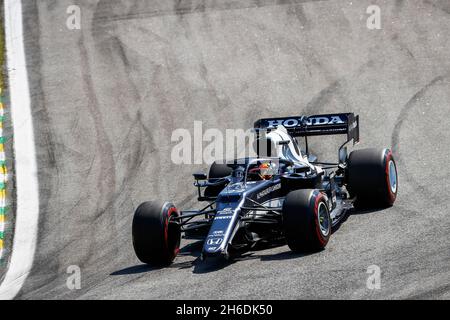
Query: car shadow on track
{"type": "Point", "coordinates": [193, 250]}
{"type": "Point", "coordinates": [140, 268]}
{"type": "Point", "coordinates": [367, 211]}
{"type": "Point", "coordinates": [260, 253]}
{"type": "Point", "coordinates": [355, 212]}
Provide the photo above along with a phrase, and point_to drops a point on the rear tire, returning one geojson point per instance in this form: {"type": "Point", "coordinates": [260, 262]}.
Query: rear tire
{"type": "Point", "coordinates": [372, 177]}
{"type": "Point", "coordinates": [306, 220]}
{"type": "Point", "coordinates": [156, 240]}
{"type": "Point", "coordinates": [217, 170]}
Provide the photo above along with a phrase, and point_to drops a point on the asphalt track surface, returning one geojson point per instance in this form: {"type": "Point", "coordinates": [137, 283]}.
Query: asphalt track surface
{"type": "Point", "coordinates": [106, 99]}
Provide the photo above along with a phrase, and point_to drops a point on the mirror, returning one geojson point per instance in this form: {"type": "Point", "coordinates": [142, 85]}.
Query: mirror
{"type": "Point", "coordinates": [200, 176]}
{"type": "Point", "coordinates": [343, 155]}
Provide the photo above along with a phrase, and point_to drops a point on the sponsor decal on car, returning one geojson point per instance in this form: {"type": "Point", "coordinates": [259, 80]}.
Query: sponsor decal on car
{"type": "Point", "coordinates": [313, 121]}
{"type": "Point", "coordinates": [268, 191]}
{"type": "Point", "coordinates": [223, 217]}
{"type": "Point", "coordinates": [225, 211]}
{"type": "Point", "coordinates": [214, 241]}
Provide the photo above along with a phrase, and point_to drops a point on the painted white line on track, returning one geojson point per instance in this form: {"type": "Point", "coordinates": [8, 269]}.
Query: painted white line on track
{"type": "Point", "coordinates": [27, 201]}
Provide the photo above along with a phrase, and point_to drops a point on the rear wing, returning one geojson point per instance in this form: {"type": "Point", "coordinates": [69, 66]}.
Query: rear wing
{"type": "Point", "coordinates": [317, 125]}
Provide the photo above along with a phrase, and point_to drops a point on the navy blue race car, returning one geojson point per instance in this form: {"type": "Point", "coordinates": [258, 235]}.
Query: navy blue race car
{"type": "Point", "coordinates": [284, 195]}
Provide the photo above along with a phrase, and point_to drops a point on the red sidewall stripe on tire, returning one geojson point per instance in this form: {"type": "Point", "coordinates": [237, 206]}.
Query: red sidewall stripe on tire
{"type": "Point", "coordinates": [170, 211]}
{"type": "Point", "coordinates": [320, 236]}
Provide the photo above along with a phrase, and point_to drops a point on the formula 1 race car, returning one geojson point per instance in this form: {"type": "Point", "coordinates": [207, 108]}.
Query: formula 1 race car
{"type": "Point", "coordinates": [283, 194]}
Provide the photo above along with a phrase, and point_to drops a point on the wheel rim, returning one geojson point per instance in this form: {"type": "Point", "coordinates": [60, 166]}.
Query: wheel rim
{"type": "Point", "coordinates": [392, 177]}
{"type": "Point", "coordinates": [324, 219]}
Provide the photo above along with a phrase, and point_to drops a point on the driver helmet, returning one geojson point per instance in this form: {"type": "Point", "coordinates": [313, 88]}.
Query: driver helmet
{"type": "Point", "coordinates": [267, 170]}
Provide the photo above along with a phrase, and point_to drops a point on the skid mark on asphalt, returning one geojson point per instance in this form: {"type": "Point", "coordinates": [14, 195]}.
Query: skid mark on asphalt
{"type": "Point", "coordinates": [185, 7]}
{"type": "Point", "coordinates": [421, 189]}
{"type": "Point", "coordinates": [443, 5]}
{"type": "Point", "coordinates": [106, 182]}
{"type": "Point", "coordinates": [113, 51]}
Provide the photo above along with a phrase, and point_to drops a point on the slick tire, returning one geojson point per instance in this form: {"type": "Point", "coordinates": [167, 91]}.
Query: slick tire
{"type": "Point", "coordinates": [372, 177]}
{"type": "Point", "coordinates": [306, 220]}
{"type": "Point", "coordinates": [156, 235]}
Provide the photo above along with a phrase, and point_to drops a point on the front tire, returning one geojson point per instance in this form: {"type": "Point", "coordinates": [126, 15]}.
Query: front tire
{"type": "Point", "coordinates": [306, 220]}
{"type": "Point", "coordinates": [156, 236]}
{"type": "Point", "coordinates": [372, 177]}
